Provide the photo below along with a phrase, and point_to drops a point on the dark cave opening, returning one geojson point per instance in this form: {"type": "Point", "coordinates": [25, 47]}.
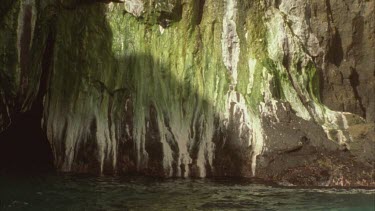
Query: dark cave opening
{"type": "Point", "coordinates": [24, 146]}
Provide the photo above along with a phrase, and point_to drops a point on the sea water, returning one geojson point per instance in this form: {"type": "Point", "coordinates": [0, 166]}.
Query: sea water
{"type": "Point", "coordinates": [79, 192]}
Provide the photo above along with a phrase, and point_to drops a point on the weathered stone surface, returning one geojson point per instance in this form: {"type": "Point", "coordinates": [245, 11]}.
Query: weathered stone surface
{"type": "Point", "coordinates": [196, 88]}
{"type": "Point", "coordinates": [162, 12]}
{"type": "Point", "coordinates": [298, 153]}
{"type": "Point", "coordinates": [346, 32]}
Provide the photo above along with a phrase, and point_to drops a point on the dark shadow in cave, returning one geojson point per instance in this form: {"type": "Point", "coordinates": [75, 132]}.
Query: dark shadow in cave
{"type": "Point", "coordinates": [24, 147]}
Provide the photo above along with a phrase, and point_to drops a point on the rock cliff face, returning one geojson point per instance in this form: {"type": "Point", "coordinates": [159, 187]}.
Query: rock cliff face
{"type": "Point", "coordinates": [281, 90]}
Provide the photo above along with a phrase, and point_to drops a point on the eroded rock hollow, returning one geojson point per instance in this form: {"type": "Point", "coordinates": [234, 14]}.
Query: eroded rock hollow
{"type": "Point", "coordinates": [281, 90]}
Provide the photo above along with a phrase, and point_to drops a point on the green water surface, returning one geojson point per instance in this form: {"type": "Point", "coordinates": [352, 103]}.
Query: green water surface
{"type": "Point", "coordinates": [72, 192]}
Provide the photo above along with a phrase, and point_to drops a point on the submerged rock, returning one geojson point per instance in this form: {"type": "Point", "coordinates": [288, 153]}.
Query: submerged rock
{"type": "Point", "coordinates": [197, 88]}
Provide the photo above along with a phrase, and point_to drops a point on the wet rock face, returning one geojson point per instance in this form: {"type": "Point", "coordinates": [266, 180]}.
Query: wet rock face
{"type": "Point", "coordinates": [346, 35]}
{"type": "Point", "coordinates": [280, 90]}
{"type": "Point", "coordinates": [297, 153]}
{"type": "Point", "coordinates": [155, 11]}
{"type": "Point", "coordinates": [343, 36]}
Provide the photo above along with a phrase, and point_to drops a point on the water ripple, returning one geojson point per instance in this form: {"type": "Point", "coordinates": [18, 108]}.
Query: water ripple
{"type": "Point", "coordinates": [77, 192]}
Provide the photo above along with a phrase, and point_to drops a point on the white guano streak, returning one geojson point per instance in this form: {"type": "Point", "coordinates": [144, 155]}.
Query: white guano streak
{"type": "Point", "coordinates": [330, 120]}
{"type": "Point", "coordinates": [231, 53]}
{"type": "Point", "coordinates": [230, 40]}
